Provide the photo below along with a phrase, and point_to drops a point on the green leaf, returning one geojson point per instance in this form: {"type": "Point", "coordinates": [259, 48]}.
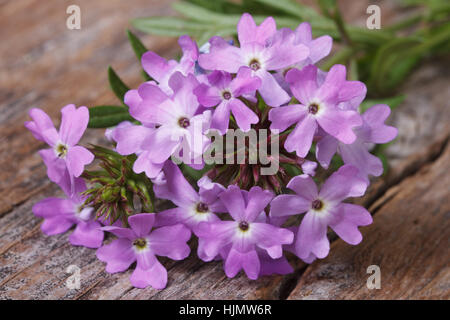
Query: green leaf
{"type": "Point", "coordinates": [108, 116]}
{"type": "Point", "coordinates": [392, 63]}
{"type": "Point", "coordinates": [293, 8]}
{"type": "Point", "coordinates": [192, 173]}
{"type": "Point", "coordinates": [139, 49]}
{"type": "Point", "coordinates": [118, 87]}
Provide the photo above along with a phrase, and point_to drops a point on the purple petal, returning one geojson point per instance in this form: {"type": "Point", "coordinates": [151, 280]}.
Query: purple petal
{"type": "Point", "coordinates": [132, 99]}
{"type": "Point", "coordinates": [145, 259]}
{"type": "Point", "coordinates": [156, 66]}
{"type": "Point", "coordinates": [222, 56]}
{"type": "Point", "coordinates": [221, 117]}
{"type": "Point", "coordinates": [304, 186]}
{"type": "Point", "coordinates": [234, 202]}
{"type": "Point", "coordinates": [77, 158]}
{"type": "Point", "coordinates": [216, 234]}
{"type": "Point", "coordinates": [288, 204]}
{"type": "Point", "coordinates": [340, 123]}
{"type": "Point", "coordinates": [285, 54]}
{"type": "Point", "coordinates": [87, 234]}
{"type": "Point", "coordinates": [303, 33]}
{"type": "Point", "coordinates": [320, 48]}
{"type": "Point", "coordinates": [374, 118]}
{"type": "Point", "coordinates": [270, 90]}
{"type": "Point", "coordinates": [342, 184]}
{"type": "Point", "coordinates": [142, 223]}
{"type": "Point", "coordinates": [249, 32]}
{"type": "Point", "coordinates": [301, 138]}
{"type": "Point", "coordinates": [156, 276]}
{"type": "Point", "coordinates": [121, 232]}
{"type": "Point", "coordinates": [56, 167]}
{"type": "Point", "coordinates": [130, 139]}
{"type": "Point", "coordinates": [329, 90]}
{"type": "Point", "coordinates": [271, 238]}
{"type": "Point", "coordinates": [326, 147]}
{"type": "Point", "coordinates": [74, 124]}
{"type": "Point", "coordinates": [57, 225]}
{"type": "Point", "coordinates": [248, 261]}
{"type": "Point", "coordinates": [144, 164]}
{"type": "Point", "coordinates": [312, 237]}
{"type": "Point", "coordinates": [219, 79]}
{"type": "Point", "coordinates": [209, 193]}
{"type": "Point", "coordinates": [243, 115]}
{"type": "Point", "coordinates": [303, 83]}
{"type": "Point", "coordinates": [42, 127]}
{"type": "Point", "coordinates": [171, 241]}
{"type": "Point", "coordinates": [118, 255]}
{"type": "Point", "coordinates": [347, 220]}
{"type": "Point", "coordinates": [155, 106]}
{"type": "Point", "coordinates": [258, 199]}
{"type": "Point", "coordinates": [54, 207]}
{"type": "Point", "coordinates": [207, 96]}
{"type": "Point", "coordinates": [244, 83]}
{"type": "Point", "coordinates": [358, 155]}
{"type": "Point", "coordinates": [271, 266]}
{"type": "Point", "coordinates": [178, 189]}
{"type": "Point", "coordinates": [283, 117]}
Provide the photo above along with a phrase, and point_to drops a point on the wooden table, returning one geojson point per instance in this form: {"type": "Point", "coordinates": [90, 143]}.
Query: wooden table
{"type": "Point", "coordinates": [43, 64]}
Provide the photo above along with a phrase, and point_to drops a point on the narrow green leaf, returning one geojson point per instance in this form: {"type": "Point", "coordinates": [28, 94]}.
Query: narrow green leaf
{"type": "Point", "coordinates": [108, 116]}
{"type": "Point", "coordinates": [118, 87]}
{"type": "Point", "coordinates": [139, 49]}
{"type": "Point", "coordinates": [293, 8]}
{"type": "Point", "coordinates": [100, 111]}
{"type": "Point", "coordinates": [110, 120]}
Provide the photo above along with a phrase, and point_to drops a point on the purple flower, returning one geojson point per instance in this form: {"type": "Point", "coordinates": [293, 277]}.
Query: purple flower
{"type": "Point", "coordinates": [224, 94]}
{"type": "Point", "coordinates": [357, 154]}
{"type": "Point", "coordinates": [257, 52]}
{"type": "Point", "coordinates": [142, 244]}
{"type": "Point", "coordinates": [192, 207]}
{"type": "Point", "coordinates": [161, 70]}
{"type": "Point", "coordinates": [319, 48]}
{"type": "Point", "coordinates": [181, 123]}
{"type": "Point", "coordinates": [323, 209]}
{"type": "Point", "coordinates": [61, 214]}
{"type": "Point", "coordinates": [318, 108]}
{"type": "Point", "coordinates": [237, 241]}
{"type": "Point", "coordinates": [64, 154]}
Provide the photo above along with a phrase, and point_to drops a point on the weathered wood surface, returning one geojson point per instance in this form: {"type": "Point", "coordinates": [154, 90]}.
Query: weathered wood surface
{"type": "Point", "coordinates": [43, 64]}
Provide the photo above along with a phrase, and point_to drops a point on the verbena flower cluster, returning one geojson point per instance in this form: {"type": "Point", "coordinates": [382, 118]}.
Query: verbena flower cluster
{"type": "Point", "coordinates": [270, 81]}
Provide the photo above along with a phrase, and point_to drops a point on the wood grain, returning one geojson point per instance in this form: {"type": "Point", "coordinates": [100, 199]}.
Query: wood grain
{"type": "Point", "coordinates": [46, 65]}
{"type": "Point", "coordinates": [409, 240]}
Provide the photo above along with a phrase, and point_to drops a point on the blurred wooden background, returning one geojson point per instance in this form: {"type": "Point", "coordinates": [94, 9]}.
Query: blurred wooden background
{"type": "Point", "coordinates": [45, 65]}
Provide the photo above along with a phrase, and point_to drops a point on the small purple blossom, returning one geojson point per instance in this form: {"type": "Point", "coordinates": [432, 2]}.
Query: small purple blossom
{"type": "Point", "coordinates": [142, 243]}
{"type": "Point", "coordinates": [192, 207]}
{"type": "Point", "coordinates": [324, 208]}
{"type": "Point", "coordinates": [60, 214]}
{"type": "Point", "coordinates": [180, 121]}
{"type": "Point", "coordinates": [224, 93]}
{"type": "Point", "coordinates": [318, 108]}
{"type": "Point", "coordinates": [64, 154]}
{"type": "Point", "coordinates": [161, 70]}
{"type": "Point", "coordinates": [237, 241]}
{"type": "Point", "coordinates": [373, 130]}
{"type": "Point", "coordinates": [257, 52]}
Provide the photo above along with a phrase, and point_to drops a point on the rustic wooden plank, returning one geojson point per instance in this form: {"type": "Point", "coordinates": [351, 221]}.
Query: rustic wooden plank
{"type": "Point", "coordinates": [48, 66]}
{"type": "Point", "coordinates": [59, 66]}
{"type": "Point", "coordinates": [408, 240]}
